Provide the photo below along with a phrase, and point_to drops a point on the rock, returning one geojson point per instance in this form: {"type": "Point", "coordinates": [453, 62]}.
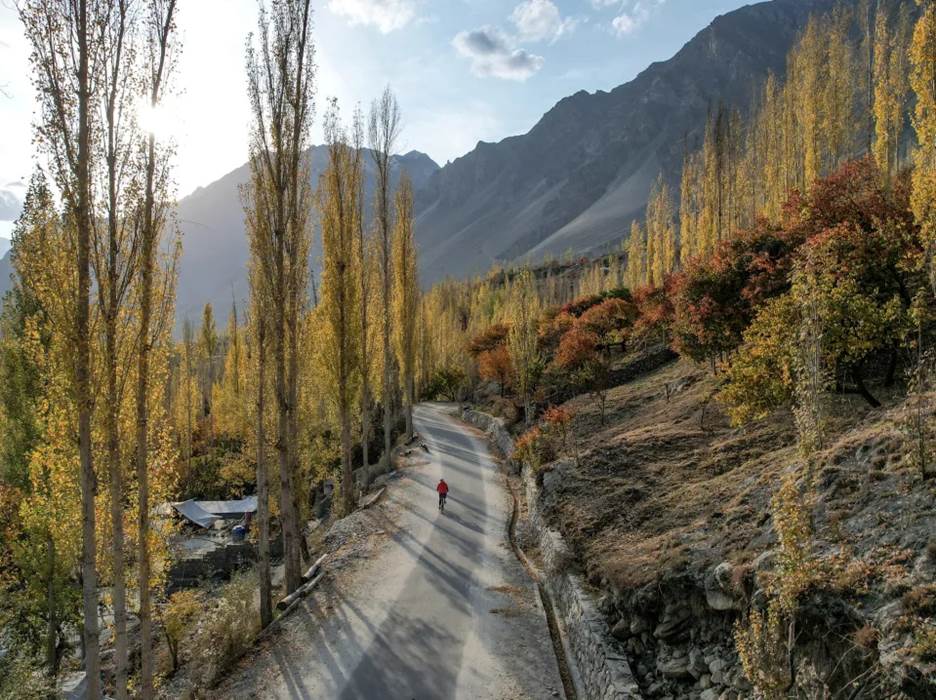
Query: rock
{"type": "Point", "coordinates": [765, 561]}
{"type": "Point", "coordinates": [723, 574]}
{"type": "Point", "coordinates": [697, 665]}
{"type": "Point", "coordinates": [705, 681]}
{"type": "Point", "coordinates": [719, 591]}
{"type": "Point", "coordinates": [717, 665]}
{"type": "Point", "coordinates": [639, 624]}
{"type": "Point", "coordinates": [621, 631]}
{"type": "Point", "coordinates": [672, 621]}
{"type": "Point", "coordinates": [721, 601]}
{"type": "Point", "coordinates": [709, 694]}
{"type": "Point", "coordinates": [677, 667]}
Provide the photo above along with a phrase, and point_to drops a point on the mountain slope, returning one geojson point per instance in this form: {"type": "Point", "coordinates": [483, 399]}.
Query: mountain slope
{"type": "Point", "coordinates": [213, 267]}
{"type": "Point", "coordinates": [579, 177]}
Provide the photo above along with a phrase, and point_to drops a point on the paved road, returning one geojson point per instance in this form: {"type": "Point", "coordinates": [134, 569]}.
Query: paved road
{"type": "Point", "coordinates": [440, 608]}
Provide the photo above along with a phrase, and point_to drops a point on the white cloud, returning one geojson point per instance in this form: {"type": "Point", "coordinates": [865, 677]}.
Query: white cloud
{"type": "Point", "coordinates": [492, 54]}
{"type": "Point", "coordinates": [537, 20]}
{"type": "Point", "coordinates": [385, 15]}
{"type": "Point", "coordinates": [624, 24]}
{"type": "Point", "coordinates": [633, 14]}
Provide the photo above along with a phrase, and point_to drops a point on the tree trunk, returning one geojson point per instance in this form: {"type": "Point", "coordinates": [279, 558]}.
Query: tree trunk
{"type": "Point", "coordinates": [387, 378]}
{"type": "Point", "coordinates": [410, 392]}
{"type": "Point", "coordinates": [287, 521]}
{"type": "Point", "coordinates": [863, 390]}
{"type": "Point", "coordinates": [150, 236]}
{"type": "Point", "coordinates": [347, 474]}
{"type": "Point", "coordinates": [891, 367]}
{"type": "Point", "coordinates": [116, 494]}
{"type": "Point", "coordinates": [365, 431]}
{"type": "Point", "coordinates": [263, 495]}
{"type": "Point", "coordinates": [83, 398]}
{"type": "Point", "coordinates": [52, 625]}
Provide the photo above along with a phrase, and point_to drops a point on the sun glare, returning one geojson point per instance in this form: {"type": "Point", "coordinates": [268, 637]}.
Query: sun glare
{"type": "Point", "coordinates": [163, 120]}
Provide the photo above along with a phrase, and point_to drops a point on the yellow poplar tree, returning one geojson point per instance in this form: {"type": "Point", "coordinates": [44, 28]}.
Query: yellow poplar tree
{"type": "Point", "coordinates": [923, 81]}
{"type": "Point", "coordinates": [338, 198]}
{"type": "Point", "coordinates": [405, 295]}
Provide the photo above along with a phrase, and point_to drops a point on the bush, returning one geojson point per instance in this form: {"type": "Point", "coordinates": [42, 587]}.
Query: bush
{"type": "Point", "coordinates": [182, 609]}
{"type": "Point", "coordinates": [579, 306]}
{"type": "Point", "coordinates": [489, 339]}
{"type": "Point", "coordinates": [226, 630]}
{"type": "Point", "coordinates": [495, 365]}
{"type": "Point", "coordinates": [446, 383]}
{"type": "Point", "coordinates": [20, 677]}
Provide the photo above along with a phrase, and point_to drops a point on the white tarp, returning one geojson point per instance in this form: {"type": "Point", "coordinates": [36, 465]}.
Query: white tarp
{"type": "Point", "coordinates": [204, 513]}
{"type": "Point", "coordinates": [193, 511]}
{"type": "Point", "coordinates": [230, 509]}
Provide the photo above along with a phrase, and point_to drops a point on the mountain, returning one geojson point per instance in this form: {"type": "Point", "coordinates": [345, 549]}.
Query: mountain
{"type": "Point", "coordinates": [4, 246]}
{"type": "Point", "coordinates": [6, 269]}
{"type": "Point", "coordinates": [581, 174]}
{"type": "Point", "coordinates": [213, 266]}
{"type": "Point", "coordinates": [214, 259]}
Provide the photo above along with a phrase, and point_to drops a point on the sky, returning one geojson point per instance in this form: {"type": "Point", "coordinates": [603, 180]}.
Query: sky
{"type": "Point", "coordinates": [463, 70]}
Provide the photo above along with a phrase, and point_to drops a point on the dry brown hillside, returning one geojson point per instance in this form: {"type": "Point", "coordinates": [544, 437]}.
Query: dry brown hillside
{"type": "Point", "coordinates": [669, 512]}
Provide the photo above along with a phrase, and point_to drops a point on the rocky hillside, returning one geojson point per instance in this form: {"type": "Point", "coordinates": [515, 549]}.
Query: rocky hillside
{"type": "Point", "coordinates": [579, 177]}
{"type": "Point", "coordinates": [671, 513]}
{"type": "Point", "coordinates": [214, 259]}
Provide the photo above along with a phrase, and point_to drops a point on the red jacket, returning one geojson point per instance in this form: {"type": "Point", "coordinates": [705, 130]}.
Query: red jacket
{"type": "Point", "coordinates": [442, 487]}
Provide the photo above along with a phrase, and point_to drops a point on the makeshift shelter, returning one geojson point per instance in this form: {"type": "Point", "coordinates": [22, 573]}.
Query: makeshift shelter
{"type": "Point", "coordinates": [206, 513]}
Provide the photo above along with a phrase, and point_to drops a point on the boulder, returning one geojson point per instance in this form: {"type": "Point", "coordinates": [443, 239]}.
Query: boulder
{"type": "Point", "coordinates": [672, 621]}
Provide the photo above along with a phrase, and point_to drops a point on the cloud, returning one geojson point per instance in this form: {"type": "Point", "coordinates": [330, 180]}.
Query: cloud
{"type": "Point", "coordinates": [537, 20]}
{"type": "Point", "coordinates": [385, 15]}
{"type": "Point", "coordinates": [633, 14]}
{"type": "Point", "coordinates": [625, 23]}
{"type": "Point", "coordinates": [492, 54]}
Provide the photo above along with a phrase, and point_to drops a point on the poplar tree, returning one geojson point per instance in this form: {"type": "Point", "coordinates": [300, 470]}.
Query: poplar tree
{"type": "Point", "coordinates": [66, 58]}
{"type": "Point", "coordinates": [383, 132]}
{"type": "Point", "coordinates": [366, 270]}
{"type": "Point", "coordinates": [891, 88]}
{"type": "Point", "coordinates": [405, 296]}
{"type": "Point", "coordinates": [280, 74]}
{"type": "Point", "coordinates": [923, 81]}
{"type": "Point", "coordinates": [114, 251]}
{"type": "Point", "coordinates": [662, 246]}
{"type": "Point", "coordinates": [155, 297]}
{"type": "Point", "coordinates": [636, 257]}
{"type": "Point", "coordinates": [522, 339]}
{"type": "Point", "coordinates": [338, 196]}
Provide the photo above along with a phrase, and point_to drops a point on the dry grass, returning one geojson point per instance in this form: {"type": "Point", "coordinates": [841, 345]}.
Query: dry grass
{"type": "Point", "coordinates": [668, 485]}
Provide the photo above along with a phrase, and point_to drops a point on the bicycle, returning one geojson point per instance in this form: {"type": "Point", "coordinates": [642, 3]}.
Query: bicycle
{"type": "Point", "coordinates": [442, 497]}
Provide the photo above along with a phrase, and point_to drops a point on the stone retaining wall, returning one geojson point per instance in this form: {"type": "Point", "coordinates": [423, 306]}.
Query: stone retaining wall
{"type": "Point", "coordinates": [601, 670]}
{"type": "Point", "coordinates": [495, 428]}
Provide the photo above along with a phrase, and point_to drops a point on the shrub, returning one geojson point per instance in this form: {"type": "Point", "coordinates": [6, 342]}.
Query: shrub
{"type": "Point", "coordinates": [489, 339]}
{"type": "Point", "coordinates": [577, 348]}
{"type": "Point", "coordinates": [654, 312]}
{"type": "Point", "coordinates": [227, 629]}
{"type": "Point", "coordinates": [551, 329]}
{"type": "Point", "coordinates": [610, 320]}
{"type": "Point", "coordinates": [183, 607]}
{"type": "Point", "coordinates": [716, 298]}
{"type": "Point", "coordinates": [533, 448]}
{"type": "Point", "coordinates": [446, 383]}
{"type": "Point", "coordinates": [924, 642]}
{"type": "Point", "coordinates": [579, 306]}
{"type": "Point", "coordinates": [921, 601]}
{"type": "Point", "coordinates": [495, 365]}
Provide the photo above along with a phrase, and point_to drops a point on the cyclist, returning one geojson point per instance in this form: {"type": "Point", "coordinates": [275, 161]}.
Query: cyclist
{"type": "Point", "coordinates": [443, 490]}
